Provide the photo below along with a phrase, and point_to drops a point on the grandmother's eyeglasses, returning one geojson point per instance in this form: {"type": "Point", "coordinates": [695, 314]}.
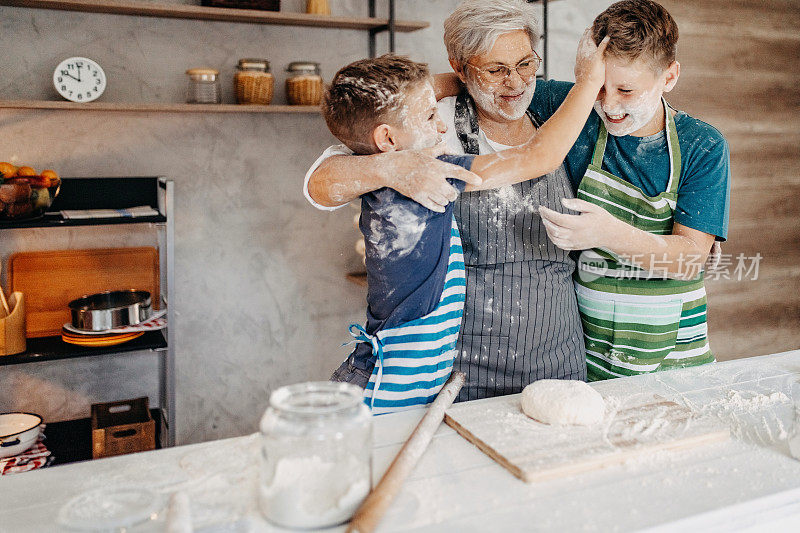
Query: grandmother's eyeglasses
{"type": "Point", "coordinates": [498, 72]}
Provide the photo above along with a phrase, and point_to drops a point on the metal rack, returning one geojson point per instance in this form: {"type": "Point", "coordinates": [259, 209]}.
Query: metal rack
{"type": "Point", "coordinates": [390, 27]}
{"type": "Point", "coordinates": [117, 193]}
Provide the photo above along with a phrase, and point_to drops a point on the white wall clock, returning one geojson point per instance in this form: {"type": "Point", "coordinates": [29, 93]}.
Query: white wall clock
{"type": "Point", "coordinates": [79, 79]}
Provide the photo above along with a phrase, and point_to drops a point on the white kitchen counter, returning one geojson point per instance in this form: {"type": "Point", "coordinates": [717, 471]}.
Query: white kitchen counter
{"type": "Point", "coordinates": [747, 483]}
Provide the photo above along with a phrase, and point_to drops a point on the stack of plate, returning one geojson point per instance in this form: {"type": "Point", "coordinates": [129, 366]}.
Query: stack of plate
{"type": "Point", "coordinates": [98, 341]}
{"type": "Point", "coordinates": [106, 318]}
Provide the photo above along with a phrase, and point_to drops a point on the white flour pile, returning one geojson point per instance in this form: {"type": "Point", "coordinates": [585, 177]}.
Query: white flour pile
{"type": "Point", "coordinates": [309, 492]}
{"type": "Point", "coordinates": [747, 401]}
{"type": "Point", "coordinates": [752, 416]}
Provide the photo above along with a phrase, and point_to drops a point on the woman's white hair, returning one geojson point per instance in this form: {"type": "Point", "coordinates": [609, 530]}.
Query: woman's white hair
{"type": "Point", "coordinates": [475, 25]}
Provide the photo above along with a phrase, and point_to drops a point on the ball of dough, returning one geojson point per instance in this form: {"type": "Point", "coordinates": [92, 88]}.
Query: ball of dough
{"type": "Point", "coordinates": [560, 402]}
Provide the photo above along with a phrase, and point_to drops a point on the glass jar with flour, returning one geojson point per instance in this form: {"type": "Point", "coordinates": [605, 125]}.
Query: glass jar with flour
{"type": "Point", "coordinates": [316, 454]}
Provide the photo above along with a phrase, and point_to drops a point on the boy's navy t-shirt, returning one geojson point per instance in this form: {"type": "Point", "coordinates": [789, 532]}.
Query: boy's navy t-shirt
{"type": "Point", "coordinates": [705, 182]}
{"type": "Point", "coordinates": [407, 254]}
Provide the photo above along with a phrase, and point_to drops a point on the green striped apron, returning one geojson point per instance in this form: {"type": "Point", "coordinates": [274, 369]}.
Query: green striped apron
{"type": "Point", "coordinates": [635, 321]}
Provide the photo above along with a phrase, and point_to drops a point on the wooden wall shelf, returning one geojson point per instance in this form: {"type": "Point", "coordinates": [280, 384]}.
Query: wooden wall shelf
{"type": "Point", "coordinates": [183, 11]}
{"type": "Point", "coordinates": [156, 107]}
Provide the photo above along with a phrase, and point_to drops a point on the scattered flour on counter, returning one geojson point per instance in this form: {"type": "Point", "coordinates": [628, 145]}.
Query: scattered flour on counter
{"type": "Point", "coordinates": [794, 439]}
{"type": "Point", "coordinates": [752, 416]}
{"type": "Point", "coordinates": [309, 492]}
{"type": "Point", "coordinates": [749, 401]}
{"type": "Point", "coordinates": [646, 427]}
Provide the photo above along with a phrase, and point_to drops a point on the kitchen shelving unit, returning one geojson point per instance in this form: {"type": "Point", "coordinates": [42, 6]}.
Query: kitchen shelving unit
{"type": "Point", "coordinates": [157, 107]}
{"type": "Point", "coordinates": [371, 24]}
{"type": "Point", "coordinates": [112, 193]}
{"type": "Point", "coordinates": [251, 16]}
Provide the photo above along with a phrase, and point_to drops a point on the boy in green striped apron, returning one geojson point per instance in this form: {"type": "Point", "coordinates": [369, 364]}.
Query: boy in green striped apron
{"type": "Point", "coordinates": [653, 197]}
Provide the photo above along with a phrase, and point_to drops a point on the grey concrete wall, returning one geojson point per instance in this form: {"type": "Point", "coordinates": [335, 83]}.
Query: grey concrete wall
{"type": "Point", "coordinates": [260, 299]}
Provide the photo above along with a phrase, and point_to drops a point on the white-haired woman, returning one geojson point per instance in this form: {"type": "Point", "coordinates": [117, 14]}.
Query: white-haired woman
{"type": "Point", "coordinates": [521, 319]}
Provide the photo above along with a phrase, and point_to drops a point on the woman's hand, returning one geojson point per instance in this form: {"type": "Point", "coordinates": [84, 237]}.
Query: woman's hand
{"type": "Point", "coordinates": [590, 63]}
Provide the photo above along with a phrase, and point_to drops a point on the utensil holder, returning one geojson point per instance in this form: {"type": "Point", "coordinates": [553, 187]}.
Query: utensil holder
{"type": "Point", "coordinates": [12, 327]}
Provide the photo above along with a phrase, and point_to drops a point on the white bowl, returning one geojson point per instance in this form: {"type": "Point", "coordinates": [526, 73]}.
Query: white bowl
{"type": "Point", "coordinates": [18, 432]}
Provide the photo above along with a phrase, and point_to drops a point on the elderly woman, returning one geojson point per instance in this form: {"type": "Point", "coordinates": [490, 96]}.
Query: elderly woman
{"type": "Point", "coordinates": [521, 319]}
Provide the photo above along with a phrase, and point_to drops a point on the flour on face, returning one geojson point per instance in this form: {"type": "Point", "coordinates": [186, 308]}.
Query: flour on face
{"type": "Point", "coordinates": [420, 125]}
{"type": "Point", "coordinates": [634, 115]}
{"type": "Point", "coordinates": [497, 101]}
{"type": "Point", "coordinates": [631, 97]}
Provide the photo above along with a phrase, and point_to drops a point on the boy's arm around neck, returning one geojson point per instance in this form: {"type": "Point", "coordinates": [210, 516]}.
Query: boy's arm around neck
{"type": "Point", "coordinates": [413, 173]}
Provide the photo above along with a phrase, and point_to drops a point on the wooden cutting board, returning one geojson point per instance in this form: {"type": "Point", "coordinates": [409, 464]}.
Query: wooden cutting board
{"type": "Point", "coordinates": [50, 280]}
{"type": "Point", "coordinates": [534, 451]}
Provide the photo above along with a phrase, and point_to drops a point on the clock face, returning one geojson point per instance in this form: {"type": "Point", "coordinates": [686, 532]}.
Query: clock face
{"type": "Point", "coordinates": [79, 79]}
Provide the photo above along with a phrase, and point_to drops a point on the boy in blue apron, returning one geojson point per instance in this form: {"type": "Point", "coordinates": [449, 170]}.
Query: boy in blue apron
{"type": "Point", "coordinates": [414, 261]}
{"type": "Point", "coordinates": [653, 188]}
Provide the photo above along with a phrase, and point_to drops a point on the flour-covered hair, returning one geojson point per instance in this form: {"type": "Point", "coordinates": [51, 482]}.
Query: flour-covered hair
{"type": "Point", "coordinates": [367, 93]}
{"type": "Point", "coordinates": [475, 25]}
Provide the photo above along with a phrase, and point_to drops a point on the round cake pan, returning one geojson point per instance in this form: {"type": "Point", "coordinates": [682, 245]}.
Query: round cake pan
{"type": "Point", "coordinates": [108, 310]}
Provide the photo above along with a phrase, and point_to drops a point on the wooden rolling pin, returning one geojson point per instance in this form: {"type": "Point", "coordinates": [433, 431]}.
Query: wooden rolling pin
{"type": "Point", "coordinates": [371, 511]}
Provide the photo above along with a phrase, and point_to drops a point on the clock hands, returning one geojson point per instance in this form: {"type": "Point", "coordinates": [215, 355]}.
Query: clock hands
{"type": "Point", "coordinates": [66, 73]}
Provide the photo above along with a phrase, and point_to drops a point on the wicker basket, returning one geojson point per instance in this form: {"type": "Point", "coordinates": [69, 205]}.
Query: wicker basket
{"type": "Point", "coordinates": [253, 87]}
{"type": "Point", "coordinates": [267, 5]}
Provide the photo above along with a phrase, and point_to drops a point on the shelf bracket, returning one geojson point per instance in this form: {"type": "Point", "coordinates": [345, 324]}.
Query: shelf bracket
{"type": "Point", "coordinates": [545, 37]}
{"type": "Point", "coordinates": [390, 27]}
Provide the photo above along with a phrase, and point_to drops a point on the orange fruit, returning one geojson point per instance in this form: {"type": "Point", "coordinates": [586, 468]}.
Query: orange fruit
{"type": "Point", "coordinates": [8, 170]}
{"type": "Point", "coordinates": [50, 177]}
{"type": "Point", "coordinates": [26, 171]}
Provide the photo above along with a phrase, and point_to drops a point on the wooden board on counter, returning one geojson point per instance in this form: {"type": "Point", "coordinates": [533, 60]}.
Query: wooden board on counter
{"type": "Point", "coordinates": [533, 451]}
{"type": "Point", "coordinates": [50, 280]}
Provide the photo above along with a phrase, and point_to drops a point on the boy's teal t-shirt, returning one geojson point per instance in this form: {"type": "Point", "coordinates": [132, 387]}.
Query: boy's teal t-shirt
{"type": "Point", "coordinates": [704, 186]}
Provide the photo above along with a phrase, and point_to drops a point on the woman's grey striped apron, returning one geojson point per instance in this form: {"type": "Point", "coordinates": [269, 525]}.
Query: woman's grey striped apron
{"type": "Point", "coordinates": [521, 320]}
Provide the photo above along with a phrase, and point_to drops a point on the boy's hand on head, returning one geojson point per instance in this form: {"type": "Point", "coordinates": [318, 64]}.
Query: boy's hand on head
{"type": "Point", "coordinates": [424, 179]}
{"type": "Point", "coordinates": [590, 63]}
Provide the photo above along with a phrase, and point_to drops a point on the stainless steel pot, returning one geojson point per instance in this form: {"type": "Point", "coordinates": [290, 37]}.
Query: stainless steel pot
{"type": "Point", "coordinates": [108, 310]}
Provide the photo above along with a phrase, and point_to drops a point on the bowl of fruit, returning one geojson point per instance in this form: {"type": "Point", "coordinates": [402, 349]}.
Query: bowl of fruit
{"type": "Point", "coordinates": [24, 193]}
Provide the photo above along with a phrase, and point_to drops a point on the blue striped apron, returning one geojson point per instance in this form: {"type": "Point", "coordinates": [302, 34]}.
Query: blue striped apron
{"type": "Point", "coordinates": [414, 359]}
